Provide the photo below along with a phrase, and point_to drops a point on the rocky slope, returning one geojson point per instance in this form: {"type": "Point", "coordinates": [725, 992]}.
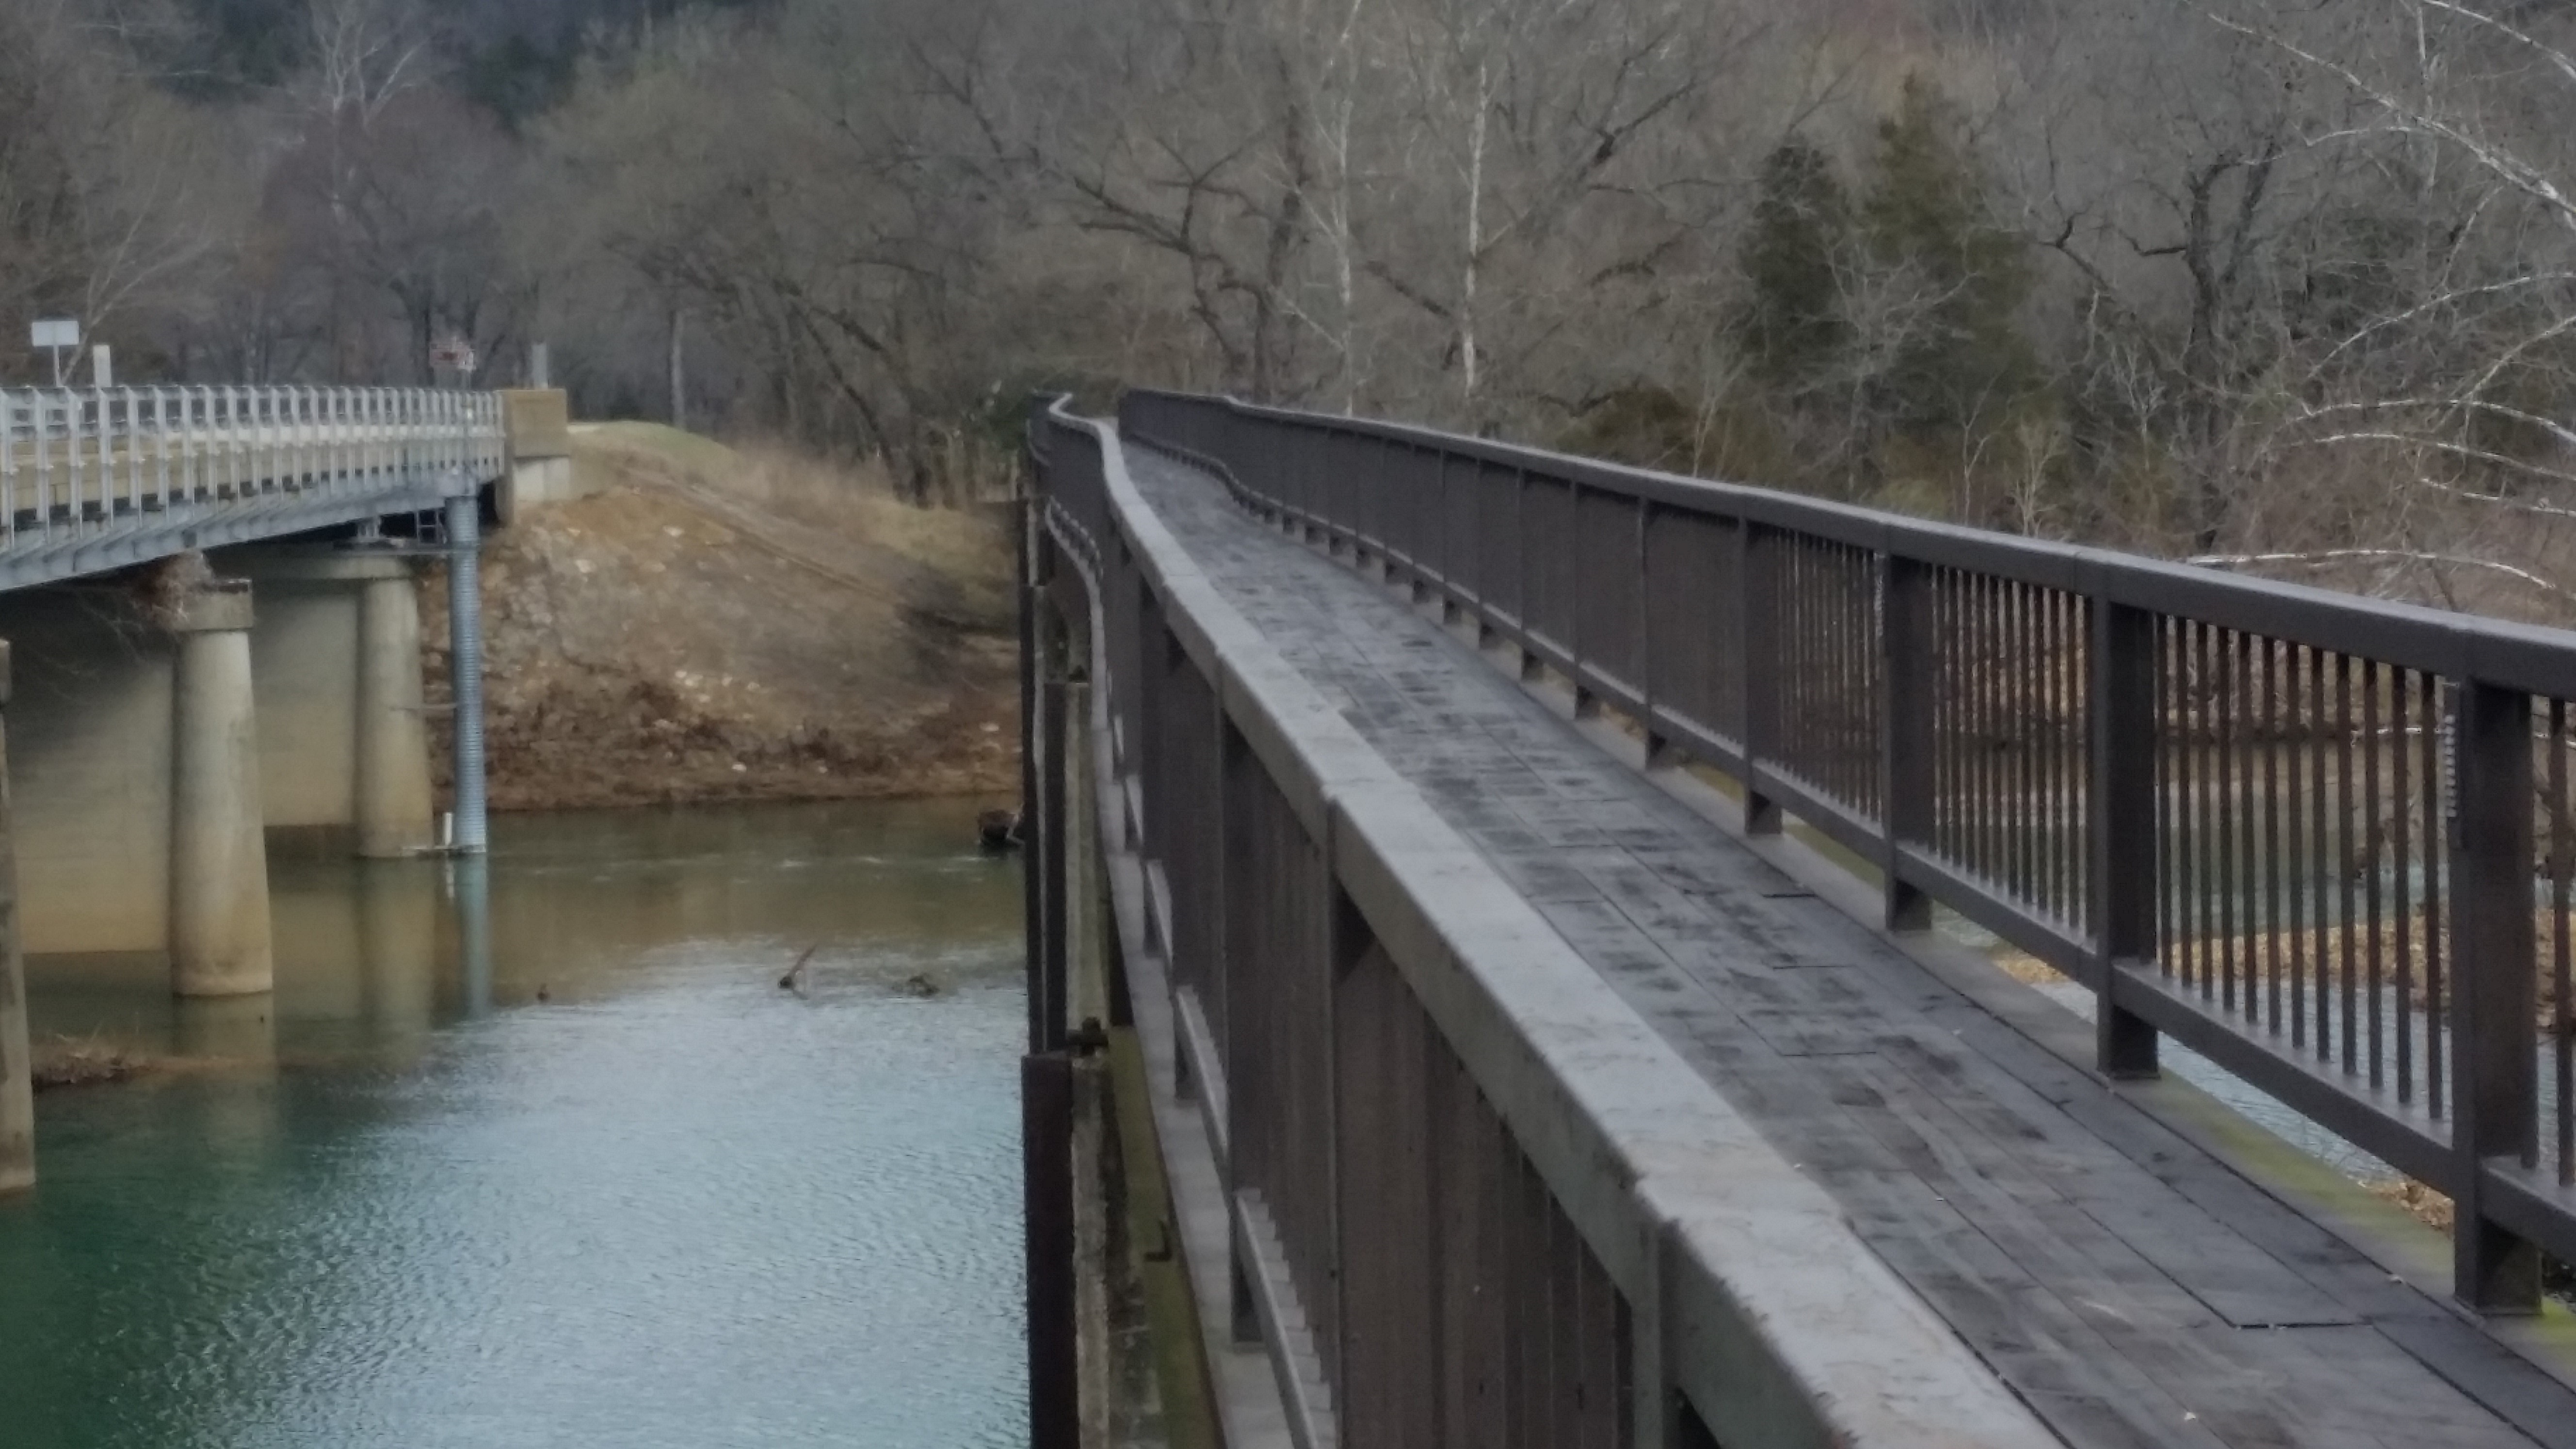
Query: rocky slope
{"type": "Point", "coordinates": [714, 624]}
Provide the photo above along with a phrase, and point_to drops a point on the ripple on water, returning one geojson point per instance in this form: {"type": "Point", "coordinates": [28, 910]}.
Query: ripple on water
{"type": "Point", "coordinates": [691, 1210]}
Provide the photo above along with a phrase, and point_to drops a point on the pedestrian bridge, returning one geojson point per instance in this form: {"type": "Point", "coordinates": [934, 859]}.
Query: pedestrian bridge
{"type": "Point", "coordinates": [1556, 902]}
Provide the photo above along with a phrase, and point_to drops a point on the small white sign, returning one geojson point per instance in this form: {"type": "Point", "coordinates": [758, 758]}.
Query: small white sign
{"type": "Point", "coordinates": [56, 334]}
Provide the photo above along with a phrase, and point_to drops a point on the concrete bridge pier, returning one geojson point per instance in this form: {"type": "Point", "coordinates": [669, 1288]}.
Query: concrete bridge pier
{"type": "Point", "coordinates": [344, 742]}
{"type": "Point", "coordinates": [394, 815]}
{"type": "Point", "coordinates": [219, 926]}
{"type": "Point", "coordinates": [156, 741]}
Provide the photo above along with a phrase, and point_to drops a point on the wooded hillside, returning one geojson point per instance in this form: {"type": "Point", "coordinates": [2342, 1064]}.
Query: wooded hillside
{"type": "Point", "coordinates": [2258, 279]}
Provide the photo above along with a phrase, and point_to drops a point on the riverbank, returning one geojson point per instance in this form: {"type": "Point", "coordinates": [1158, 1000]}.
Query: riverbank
{"type": "Point", "coordinates": [719, 624]}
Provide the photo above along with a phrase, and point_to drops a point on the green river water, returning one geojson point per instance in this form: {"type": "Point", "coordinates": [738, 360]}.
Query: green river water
{"type": "Point", "coordinates": [406, 1203]}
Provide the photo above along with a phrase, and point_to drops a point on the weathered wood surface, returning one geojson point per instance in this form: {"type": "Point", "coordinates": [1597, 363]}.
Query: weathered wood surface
{"type": "Point", "coordinates": [2131, 1288]}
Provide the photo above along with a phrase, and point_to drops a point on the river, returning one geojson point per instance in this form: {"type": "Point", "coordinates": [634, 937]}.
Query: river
{"type": "Point", "coordinates": [600, 1182]}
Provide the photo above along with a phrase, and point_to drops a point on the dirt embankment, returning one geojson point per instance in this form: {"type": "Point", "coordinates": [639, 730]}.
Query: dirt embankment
{"type": "Point", "coordinates": [722, 624]}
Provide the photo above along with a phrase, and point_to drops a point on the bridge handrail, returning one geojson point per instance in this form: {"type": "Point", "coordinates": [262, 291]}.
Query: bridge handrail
{"type": "Point", "coordinates": [99, 477]}
{"type": "Point", "coordinates": [1657, 1244]}
{"type": "Point", "coordinates": [2162, 781]}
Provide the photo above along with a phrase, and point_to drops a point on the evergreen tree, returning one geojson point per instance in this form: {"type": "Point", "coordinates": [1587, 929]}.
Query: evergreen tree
{"type": "Point", "coordinates": [1961, 362]}
{"type": "Point", "coordinates": [1790, 325]}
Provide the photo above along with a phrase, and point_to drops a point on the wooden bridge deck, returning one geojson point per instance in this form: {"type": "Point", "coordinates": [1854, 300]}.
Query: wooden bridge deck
{"type": "Point", "coordinates": [2130, 1286]}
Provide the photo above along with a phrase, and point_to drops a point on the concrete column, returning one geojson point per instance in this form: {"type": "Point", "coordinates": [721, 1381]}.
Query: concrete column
{"type": "Point", "coordinates": [219, 936]}
{"type": "Point", "coordinates": [17, 1088]}
{"type": "Point", "coordinates": [394, 817]}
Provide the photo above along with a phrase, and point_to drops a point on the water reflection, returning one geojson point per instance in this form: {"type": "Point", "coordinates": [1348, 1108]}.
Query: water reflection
{"type": "Point", "coordinates": [469, 887]}
{"type": "Point", "coordinates": [404, 1202]}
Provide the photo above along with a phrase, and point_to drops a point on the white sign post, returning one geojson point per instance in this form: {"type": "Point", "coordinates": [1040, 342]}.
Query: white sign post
{"type": "Point", "coordinates": [56, 336]}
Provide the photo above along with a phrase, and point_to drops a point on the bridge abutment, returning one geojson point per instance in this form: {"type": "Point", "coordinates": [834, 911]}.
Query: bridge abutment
{"type": "Point", "coordinates": [219, 926]}
{"type": "Point", "coordinates": [391, 779]}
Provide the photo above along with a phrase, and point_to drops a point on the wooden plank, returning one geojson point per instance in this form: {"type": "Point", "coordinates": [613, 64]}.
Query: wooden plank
{"type": "Point", "coordinates": [1803, 1032]}
{"type": "Point", "coordinates": [1495, 1166]}
{"type": "Point", "coordinates": [1388, 1385]}
{"type": "Point", "coordinates": [2237, 1279]}
{"type": "Point", "coordinates": [1565, 1330]}
{"type": "Point", "coordinates": [2101, 1279]}
{"type": "Point", "coordinates": [2062, 1368]}
{"type": "Point", "coordinates": [2315, 1254]}
{"type": "Point", "coordinates": [1458, 1227]}
{"type": "Point", "coordinates": [2354, 1385]}
{"type": "Point", "coordinates": [1601, 1384]}
{"type": "Point", "coordinates": [2504, 1383]}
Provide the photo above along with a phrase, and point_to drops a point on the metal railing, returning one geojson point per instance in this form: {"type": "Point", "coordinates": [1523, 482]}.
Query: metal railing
{"type": "Point", "coordinates": [1472, 1197]}
{"type": "Point", "coordinates": [2323, 840]}
{"type": "Point", "coordinates": [95, 478]}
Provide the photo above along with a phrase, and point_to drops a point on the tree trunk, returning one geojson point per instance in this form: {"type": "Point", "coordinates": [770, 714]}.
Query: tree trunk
{"type": "Point", "coordinates": [679, 373]}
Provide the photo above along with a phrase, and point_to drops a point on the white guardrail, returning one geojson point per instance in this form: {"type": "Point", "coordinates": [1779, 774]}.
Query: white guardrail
{"type": "Point", "coordinates": [99, 478]}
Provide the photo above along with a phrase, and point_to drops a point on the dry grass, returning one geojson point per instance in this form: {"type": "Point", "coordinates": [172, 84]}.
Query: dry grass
{"type": "Point", "coordinates": [714, 623]}
{"type": "Point", "coordinates": [2421, 1203]}
{"type": "Point", "coordinates": [848, 505]}
{"type": "Point", "coordinates": [2027, 969]}
{"type": "Point", "coordinates": [960, 544]}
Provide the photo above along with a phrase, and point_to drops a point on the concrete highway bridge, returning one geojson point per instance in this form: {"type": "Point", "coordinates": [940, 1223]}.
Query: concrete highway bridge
{"type": "Point", "coordinates": [209, 628]}
{"type": "Point", "coordinates": [1558, 905]}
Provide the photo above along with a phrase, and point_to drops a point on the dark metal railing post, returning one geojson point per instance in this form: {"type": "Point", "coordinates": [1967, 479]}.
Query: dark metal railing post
{"type": "Point", "coordinates": [2494, 1086]}
{"type": "Point", "coordinates": [2120, 826]}
{"type": "Point", "coordinates": [1046, 1166]}
{"type": "Point", "coordinates": [1659, 746]}
{"type": "Point", "coordinates": [1046, 1012]}
{"type": "Point", "coordinates": [1335, 504]}
{"type": "Point", "coordinates": [1034, 727]}
{"type": "Point", "coordinates": [1756, 654]}
{"type": "Point", "coordinates": [1367, 511]}
{"type": "Point", "coordinates": [1532, 666]}
{"type": "Point", "coordinates": [1445, 553]}
{"type": "Point", "coordinates": [1911, 649]}
{"type": "Point", "coordinates": [1578, 637]}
